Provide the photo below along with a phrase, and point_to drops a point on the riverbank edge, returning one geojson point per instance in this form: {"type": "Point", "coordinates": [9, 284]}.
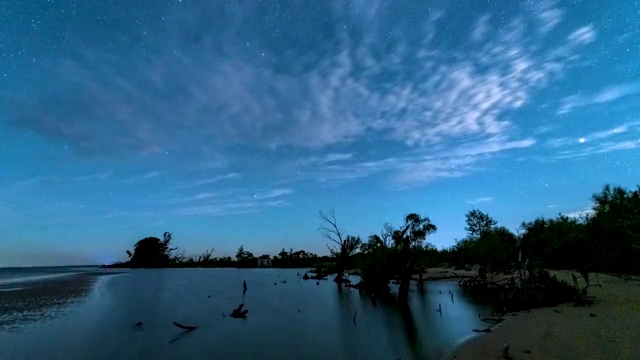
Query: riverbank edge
{"type": "Point", "coordinates": [53, 293]}
{"type": "Point", "coordinates": [566, 331]}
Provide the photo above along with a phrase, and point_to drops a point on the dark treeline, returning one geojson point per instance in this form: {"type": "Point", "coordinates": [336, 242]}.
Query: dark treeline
{"type": "Point", "coordinates": [603, 240]}
{"type": "Point", "coordinates": [152, 252]}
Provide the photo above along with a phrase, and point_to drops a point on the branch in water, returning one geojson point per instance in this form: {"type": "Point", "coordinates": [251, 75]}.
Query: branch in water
{"type": "Point", "coordinates": [186, 327]}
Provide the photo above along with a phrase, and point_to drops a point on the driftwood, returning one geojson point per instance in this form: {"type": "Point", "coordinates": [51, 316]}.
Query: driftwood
{"type": "Point", "coordinates": [487, 330]}
{"type": "Point", "coordinates": [185, 327]}
{"type": "Point", "coordinates": [238, 313]}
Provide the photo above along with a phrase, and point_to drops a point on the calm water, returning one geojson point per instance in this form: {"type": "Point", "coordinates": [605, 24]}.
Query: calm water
{"type": "Point", "coordinates": [101, 326]}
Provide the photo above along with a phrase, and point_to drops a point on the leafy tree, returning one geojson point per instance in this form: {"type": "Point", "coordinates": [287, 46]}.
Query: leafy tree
{"type": "Point", "coordinates": [379, 264]}
{"type": "Point", "coordinates": [151, 252]}
{"type": "Point", "coordinates": [265, 256]}
{"type": "Point", "coordinates": [478, 223]}
{"type": "Point", "coordinates": [493, 247]}
{"type": "Point", "coordinates": [556, 243]}
{"type": "Point", "coordinates": [243, 255]}
{"type": "Point", "coordinates": [407, 240]}
{"type": "Point", "coordinates": [615, 228]}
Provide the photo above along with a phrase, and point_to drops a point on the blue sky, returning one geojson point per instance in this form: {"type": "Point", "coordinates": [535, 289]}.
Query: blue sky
{"type": "Point", "coordinates": [233, 125]}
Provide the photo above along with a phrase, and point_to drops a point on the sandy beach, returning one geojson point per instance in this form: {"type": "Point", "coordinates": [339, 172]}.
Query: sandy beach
{"type": "Point", "coordinates": [28, 301]}
{"type": "Point", "coordinates": [608, 329]}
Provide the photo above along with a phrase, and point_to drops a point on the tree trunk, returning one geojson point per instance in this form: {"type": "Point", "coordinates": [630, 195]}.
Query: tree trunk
{"type": "Point", "coordinates": [338, 278]}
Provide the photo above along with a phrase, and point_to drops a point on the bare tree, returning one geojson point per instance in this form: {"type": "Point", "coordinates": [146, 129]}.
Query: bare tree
{"type": "Point", "coordinates": [340, 246]}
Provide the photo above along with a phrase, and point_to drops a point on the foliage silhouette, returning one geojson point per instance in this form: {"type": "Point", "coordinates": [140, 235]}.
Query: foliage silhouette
{"type": "Point", "coordinates": [605, 240]}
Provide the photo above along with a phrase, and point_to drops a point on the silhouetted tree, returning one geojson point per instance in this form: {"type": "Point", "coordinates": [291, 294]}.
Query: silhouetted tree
{"type": "Point", "coordinates": [615, 229]}
{"type": "Point", "coordinates": [340, 246]}
{"type": "Point", "coordinates": [407, 239]}
{"type": "Point", "coordinates": [152, 252]}
{"type": "Point", "coordinates": [243, 255]}
{"type": "Point", "coordinates": [478, 223]}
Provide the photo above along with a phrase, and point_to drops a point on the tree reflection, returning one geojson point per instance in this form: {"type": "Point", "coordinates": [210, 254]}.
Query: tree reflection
{"type": "Point", "coordinates": [411, 331]}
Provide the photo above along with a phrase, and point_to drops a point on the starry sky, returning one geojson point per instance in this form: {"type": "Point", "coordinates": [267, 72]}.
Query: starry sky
{"type": "Point", "coordinates": [234, 122]}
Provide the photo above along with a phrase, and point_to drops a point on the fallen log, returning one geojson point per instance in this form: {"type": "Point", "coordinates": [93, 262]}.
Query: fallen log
{"type": "Point", "coordinates": [185, 327]}
{"type": "Point", "coordinates": [487, 330]}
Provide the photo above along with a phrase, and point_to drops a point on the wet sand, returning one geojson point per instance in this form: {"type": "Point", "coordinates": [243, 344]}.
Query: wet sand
{"type": "Point", "coordinates": [608, 329]}
{"type": "Point", "coordinates": [29, 301]}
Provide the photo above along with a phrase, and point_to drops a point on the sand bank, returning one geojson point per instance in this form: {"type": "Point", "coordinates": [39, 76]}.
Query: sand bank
{"type": "Point", "coordinates": [608, 329]}
{"type": "Point", "coordinates": [29, 301]}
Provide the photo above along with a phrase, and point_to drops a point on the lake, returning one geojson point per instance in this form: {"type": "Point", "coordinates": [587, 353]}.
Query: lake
{"type": "Point", "coordinates": [297, 320]}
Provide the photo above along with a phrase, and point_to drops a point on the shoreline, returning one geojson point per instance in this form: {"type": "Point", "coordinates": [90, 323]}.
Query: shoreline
{"type": "Point", "coordinates": [26, 301]}
{"type": "Point", "coordinates": [608, 329]}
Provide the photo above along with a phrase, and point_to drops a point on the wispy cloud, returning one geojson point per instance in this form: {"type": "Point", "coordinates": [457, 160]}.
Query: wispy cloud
{"type": "Point", "coordinates": [610, 93]}
{"type": "Point", "coordinates": [481, 28]}
{"type": "Point", "coordinates": [336, 157]}
{"type": "Point", "coordinates": [153, 99]}
{"type": "Point", "coordinates": [208, 181]}
{"type": "Point", "coordinates": [594, 136]}
{"type": "Point", "coordinates": [237, 202]}
{"type": "Point", "coordinates": [548, 15]}
{"type": "Point", "coordinates": [480, 200]}
{"type": "Point", "coordinates": [325, 159]}
{"type": "Point", "coordinates": [101, 176]}
{"type": "Point", "coordinates": [272, 193]}
{"type": "Point", "coordinates": [142, 177]}
{"type": "Point", "coordinates": [552, 206]}
{"type": "Point", "coordinates": [580, 213]}
{"type": "Point", "coordinates": [418, 169]}
{"type": "Point", "coordinates": [600, 148]}
{"type": "Point", "coordinates": [582, 36]}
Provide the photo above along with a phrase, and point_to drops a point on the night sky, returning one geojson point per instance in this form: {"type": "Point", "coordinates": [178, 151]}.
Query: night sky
{"type": "Point", "coordinates": [232, 123]}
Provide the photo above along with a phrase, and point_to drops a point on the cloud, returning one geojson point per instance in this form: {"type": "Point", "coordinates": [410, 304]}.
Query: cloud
{"type": "Point", "coordinates": [548, 16]}
{"type": "Point", "coordinates": [608, 94]}
{"type": "Point", "coordinates": [582, 36]}
{"type": "Point", "coordinates": [418, 169]}
{"type": "Point", "coordinates": [552, 206]}
{"type": "Point", "coordinates": [337, 157]}
{"type": "Point", "coordinates": [228, 94]}
{"type": "Point", "coordinates": [237, 202]}
{"type": "Point", "coordinates": [325, 159]}
{"type": "Point", "coordinates": [69, 180]}
{"type": "Point", "coordinates": [600, 148]}
{"type": "Point", "coordinates": [481, 28]}
{"type": "Point", "coordinates": [208, 181]}
{"type": "Point", "coordinates": [580, 213]}
{"type": "Point", "coordinates": [142, 177]}
{"type": "Point", "coordinates": [480, 200]}
{"type": "Point", "coordinates": [272, 194]}
{"type": "Point", "coordinates": [594, 136]}
{"type": "Point", "coordinates": [225, 209]}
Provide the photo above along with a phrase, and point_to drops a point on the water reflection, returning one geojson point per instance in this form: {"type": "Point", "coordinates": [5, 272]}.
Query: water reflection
{"type": "Point", "coordinates": [181, 335]}
{"type": "Point", "coordinates": [290, 320]}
